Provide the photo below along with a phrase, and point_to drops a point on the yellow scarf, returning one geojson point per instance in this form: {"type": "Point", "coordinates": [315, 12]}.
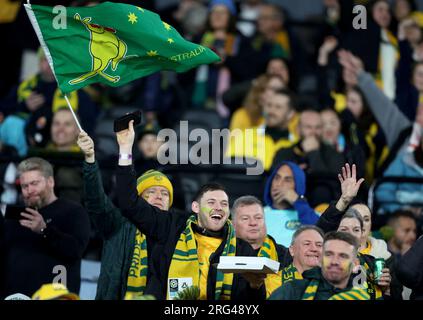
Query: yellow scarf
{"type": "Point", "coordinates": [353, 294]}
{"type": "Point", "coordinates": [137, 275]}
{"type": "Point", "coordinates": [310, 291]}
{"type": "Point", "coordinates": [272, 281]}
{"type": "Point", "coordinates": [27, 87]}
{"type": "Point", "coordinates": [185, 268]}
{"type": "Point", "coordinates": [367, 249]}
{"type": "Point", "coordinates": [374, 160]}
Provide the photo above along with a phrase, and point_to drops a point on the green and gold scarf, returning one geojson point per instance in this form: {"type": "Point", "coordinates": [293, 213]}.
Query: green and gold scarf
{"type": "Point", "coordinates": [290, 273]}
{"type": "Point", "coordinates": [185, 260]}
{"type": "Point", "coordinates": [272, 281]}
{"type": "Point", "coordinates": [310, 291]}
{"type": "Point", "coordinates": [353, 294]}
{"type": "Point", "coordinates": [137, 276]}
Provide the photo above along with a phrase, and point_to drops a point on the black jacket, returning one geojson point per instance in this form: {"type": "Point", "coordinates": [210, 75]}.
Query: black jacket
{"type": "Point", "coordinates": [410, 269]}
{"type": "Point", "coordinates": [164, 229]}
{"type": "Point", "coordinates": [30, 260]}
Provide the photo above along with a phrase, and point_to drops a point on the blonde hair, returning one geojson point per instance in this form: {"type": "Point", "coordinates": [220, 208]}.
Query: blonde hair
{"type": "Point", "coordinates": [252, 101]}
{"type": "Point", "coordinates": [36, 164]}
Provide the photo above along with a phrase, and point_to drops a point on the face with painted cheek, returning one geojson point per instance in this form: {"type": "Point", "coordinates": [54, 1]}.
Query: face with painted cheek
{"type": "Point", "coordinates": [338, 261]}
{"type": "Point", "coordinates": [212, 210]}
{"type": "Point", "coordinates": [157, 196]}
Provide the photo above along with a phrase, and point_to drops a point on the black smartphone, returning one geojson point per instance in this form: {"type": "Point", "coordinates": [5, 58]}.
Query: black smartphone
{"type": "Point", "coordinates": [122, 123]}
{"type": "Point", "coordinates": [13, 212]}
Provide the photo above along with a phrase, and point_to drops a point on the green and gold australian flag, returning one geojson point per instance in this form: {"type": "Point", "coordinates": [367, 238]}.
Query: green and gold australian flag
{"type": "Point", "coordinates": [111, 43]}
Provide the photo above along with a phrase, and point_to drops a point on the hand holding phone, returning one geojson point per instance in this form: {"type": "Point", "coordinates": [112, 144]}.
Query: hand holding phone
{"type": "Point", "coordinates": [122, 123]}
{"type": "Point", "coordinates": [13, 212]}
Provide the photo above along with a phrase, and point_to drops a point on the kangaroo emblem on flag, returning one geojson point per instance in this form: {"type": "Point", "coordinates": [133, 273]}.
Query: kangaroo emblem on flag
{"type": "Point", "coordinates": [105, 48]}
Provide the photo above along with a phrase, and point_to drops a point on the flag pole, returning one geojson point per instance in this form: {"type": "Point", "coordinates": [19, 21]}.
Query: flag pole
{"type": "Point", "coordinates": [73, 113]}
{"type": "Point", "coordinates": [66, 98]}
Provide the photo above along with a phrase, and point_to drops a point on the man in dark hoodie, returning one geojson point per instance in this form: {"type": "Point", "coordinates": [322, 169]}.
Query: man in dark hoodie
{"type": "Point", "coordinates": [286, 207]}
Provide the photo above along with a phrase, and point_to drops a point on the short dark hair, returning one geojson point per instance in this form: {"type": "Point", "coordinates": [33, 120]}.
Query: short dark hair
{"type": "Point", "coordinates": [245, 201]}
{"type": "Point", "coordinates": [401, 213]}
{"type": "Point", "coordinates": [212, 186]}
{"type": "Point", "coordinates": [342, 236]}
{"type": "Point", "coordinates": [277, 10]}
{"type": "Point", "coordinates": [289, 94]}
{"type": "Point", "coordinates": [303, 228]}
{"type": "Point", "coordinates": [353, 214]}
{"type": "Point", "coordinates": [371, 4]}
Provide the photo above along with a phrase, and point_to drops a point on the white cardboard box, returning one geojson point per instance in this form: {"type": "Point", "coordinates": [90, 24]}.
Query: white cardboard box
{"type": "Point", "coordinates": [248, 264]}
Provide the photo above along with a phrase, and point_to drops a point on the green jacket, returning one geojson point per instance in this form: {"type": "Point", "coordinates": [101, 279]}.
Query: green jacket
{"type": "Point", "coordinates": [294, 289]}
{"type": "Point", "coordinates": [117, 232]}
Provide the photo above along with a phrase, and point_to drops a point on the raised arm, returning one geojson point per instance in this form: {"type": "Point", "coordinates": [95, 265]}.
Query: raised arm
{"type": "Point", "coordinates": [325, 99]}
{"type": "Point", "coordinates": [330, 219]}
{"type": "Point", "coordinates": [150, 220]}
{"type": "Point", "coordinates": [405, 90]}
{"type": "Point", "coordinates": [387, 113]}
{"type": "Point", "coordinates": [104, 215]}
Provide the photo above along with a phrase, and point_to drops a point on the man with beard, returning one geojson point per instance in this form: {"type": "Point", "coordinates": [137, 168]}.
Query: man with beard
{"type": "Point", "coordinates": [47, 243]}
{"type": "Point", "coordinates": [333, 280]}
{"type": "Point", "coordinates": [404, 227]}
{"type": "Point", "coordinates": [278, 132]}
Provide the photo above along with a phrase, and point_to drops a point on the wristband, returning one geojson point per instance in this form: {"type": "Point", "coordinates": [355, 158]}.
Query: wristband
{"type": "Point", "coordinates": [43, 232]}
{"type": "Point", "coordinates": [125, 156]}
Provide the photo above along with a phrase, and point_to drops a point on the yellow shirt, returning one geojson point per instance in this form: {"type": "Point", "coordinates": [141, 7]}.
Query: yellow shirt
{"type": "Point", "coordinates": [206, 246]}
{"type": "Point", "coordinates": [254, 143]}
{"type": "Point", "coordinates": [242, 120]}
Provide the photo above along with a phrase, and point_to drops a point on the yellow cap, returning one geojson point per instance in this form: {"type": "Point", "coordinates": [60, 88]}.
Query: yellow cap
{"type": "Point", "coordinates": [54, 291]}
{"type": "Point", "coordinates": [153, 178]}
